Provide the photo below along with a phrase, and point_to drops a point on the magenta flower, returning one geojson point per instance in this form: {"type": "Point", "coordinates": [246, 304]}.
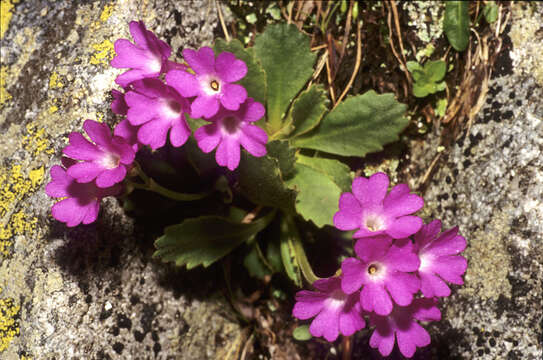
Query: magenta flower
{"type": "Point", "coordinates": [147, 58]}
{"type": "Point", "coordinates": [382, 273]}
{"type": "Point", "coordinates": [439, 259]}
{"type": "Point", "coordinates": [83, 200]}
{"type": "Point", "coordinates": [212, 82]}
{"type": "Point", "coordinates": [401, 326]}
{"type": "Point", "coordinates": [118, 105]}
{"type": "Point", "coordinates": [369, 209]}
{"type": "Point", "coordinates": [105, 160]}
{"type": "Point", "coordinates": [158, 109]}
{"type": "Point", "coordinates": [229, 130]}
{"type": "Point", "coordinates": [335, 311]}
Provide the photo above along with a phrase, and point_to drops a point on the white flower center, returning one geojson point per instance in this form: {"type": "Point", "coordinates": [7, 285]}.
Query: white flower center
{"type": "Point", "coordinates": [110, 161]}
{"type": "Point", "coordinates": [374, 222]}
{"type": "Point", "coordinates": [337, 299]}
{"type": "Point", "coordinates": [376, 271]}
{"type": "Point", "coordinates": [171, 109]}
{"type": "Point", "coordinates": [425, 261]}
{"type": "Point", "coordinates": [155, 64]}
{"type": "Point", "coordinates": [210, 84]}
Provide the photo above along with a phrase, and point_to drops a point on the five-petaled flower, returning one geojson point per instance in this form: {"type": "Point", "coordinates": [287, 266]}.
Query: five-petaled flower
{"type": "Point", "coordinates": [82, 201]}
{"type": "Point", "coordinates": [230, 129]}
{"type": "Point", "coordinates": [370, 210]}
{"type": "Point", "coordinates": [106, 160]}
{"type": "Point", "coordinates": [383, 272]}
{"type": "Point", "coordinates": [335, 312]}
{"type": "Point", "coordinates": [157, 109]}
{"type": "Point", "coordinates": [212, 83]}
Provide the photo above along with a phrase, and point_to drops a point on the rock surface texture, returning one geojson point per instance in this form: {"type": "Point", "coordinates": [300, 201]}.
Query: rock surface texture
{"type": "Point", "coordinates": [93, 292]}
{"type": "Point", "coordinates": [490, 183]}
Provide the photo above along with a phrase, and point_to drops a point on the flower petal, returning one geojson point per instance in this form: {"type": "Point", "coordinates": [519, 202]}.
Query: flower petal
{"type": "Point", "coordinates": [254, 110]}
{"type": "Point", "coordinates": [353, 275]}
{"type": "Point", "coordinates": [308, 304]}
{"type": "Point", "coordinates": [84, 172]}
{"type": "Point", "coordinates": [180, 132]}
{"type": "Point", "coordinates": [154, 133]}
{"type": "Point", "coordinates": [372, 248]}
{"type": "Point", "coordinates": [110, 177]}
{"type": "Point", "coordinates": [404, 226]}
{"type": "Point", "coordinates": [100, 133]}
{"type": "Point", "coordinates": [408, 339]}
{"type": "Point", "coordinates": [253, 139]}
{"type": "Point", "coordinates": [201, 61]}
{"type": "Point", "coordinates": [204, 106]}
{"type": "Point", "coordinates": [403, 205]}
{"type": "Point", "coordinates": [326, 324]}
{"type": "Point", "coordinates": [383, 339]}
{"type": "Point", "coordinates": [431, 285]}
{"type": "Point", "coordinates": [229, 68]}
{"type": "Point", "coordinates": [183, 82]}
{"type": "Point", "coordinates": [81, 149]}
{"type": "Point", "coordinates": [233, 95]}
{"type": "Point", "coordinates": [374, 297]}
{"type": "Point", "coordinates": [450, 268]}
{"type": "Point", "coordinates": [69, 211]}
{"type": "Point", "coordinates": [402, 286]}
{"type": "Point", "coordinates": [208, 137]}
{"type": "Point", "coordinates": [91, 212]}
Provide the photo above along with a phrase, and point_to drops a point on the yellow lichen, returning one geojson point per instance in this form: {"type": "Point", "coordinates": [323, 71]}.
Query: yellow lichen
{"type": "Point", "coordinates": [53, 109]}
{"type": "Point", "coordinates": [106, 13]}
{"type": "Point", "coordinates": [54, 81]}
{"type": "Point", "coordinates": [4, 95]}
{"type": "Point", "coordinates": [36, 141]}
{"type": "Point", "coordinates": [104, 52]}
{"type": "Point", "coordinates": [13, 187]}
{"type": "Point", "coordinates": [6, 12]}
{"type": "Point", "coordinates": [9, 326]}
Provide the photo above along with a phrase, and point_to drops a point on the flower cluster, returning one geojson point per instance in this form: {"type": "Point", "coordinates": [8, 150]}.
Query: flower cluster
{"type": "Point", "coordinates": [159, 95]}
{"type": "Point", "coordinates": [401, 267]}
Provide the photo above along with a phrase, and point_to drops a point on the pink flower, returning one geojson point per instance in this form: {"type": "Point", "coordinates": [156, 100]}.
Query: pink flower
{"type": "Point", "coordinates": [382, 273]}
{"type": "Point", "coordinates": [230, 129]}
{"type": "Point", "coordinates": [212, 82]}
{"type": "Point", "coordinates": [369, 209]}
{"type": "Point", "coordinates": [83, 200]}
{"type": "Point", "coordinates": [118, 105]}
{"type": "Point", "coordinates": [148, 57]}
{"type": "Point", "coordinates": [439, 259]}
{"type": "Point", "coordinates": [335, 312]}
{"type": "Point", "coordinates": [157, 109]}
{"type": "Point", "coordinates": [105, 160]}
{"type": "Point", "coordinates": [401, 326]}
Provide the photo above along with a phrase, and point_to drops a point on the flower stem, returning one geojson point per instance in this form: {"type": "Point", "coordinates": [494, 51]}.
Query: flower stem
{"type": "Point", "coordinates": [151, 185]}
{"type": "Point", "coordinates": [299, 251]}
{"type": "Point", "coordinates": [347, 347]}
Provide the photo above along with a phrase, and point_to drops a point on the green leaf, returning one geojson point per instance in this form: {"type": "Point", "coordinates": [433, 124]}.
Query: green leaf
{"type": "Point", "coordinates": [206, 239]}
{"type": "Point", "coordinates": [285, 55]}
{"type": "Point", "coordinates": [255, 80]}
{"type": "Point", "coordinates": [301, 333]}
{"type": "Point", "coordinates": [288, 253]}
{"type": "Point", "coordinates": [456, 24]}
{"type": "Point", "coordinates": [441, 107]}
{"type": "Point", "coordinates": [435, 70]}
{"type": "Point", "coordinates": [359, 125]}
{"type": "Point", "coordinates": [428, 77]}
{"type": "Point", "coordinates": [490, 12]}
{"type": "Point", "coordinates": [285, 155]}
{"type": "Point", "coordinates": [308, 110]}
{"type": "Point", "coordinates": [261, 181]}
{"type": "Point", "coordinates": [254, 264]}
{"type": "Point", "coordinates": [319, 183]}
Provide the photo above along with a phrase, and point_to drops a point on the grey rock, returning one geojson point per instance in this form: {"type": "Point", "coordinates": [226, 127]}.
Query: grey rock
{"type": "Point", "coordinates": [92, 292]}
{"type": "Point", "coordinates": [490, 184]}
